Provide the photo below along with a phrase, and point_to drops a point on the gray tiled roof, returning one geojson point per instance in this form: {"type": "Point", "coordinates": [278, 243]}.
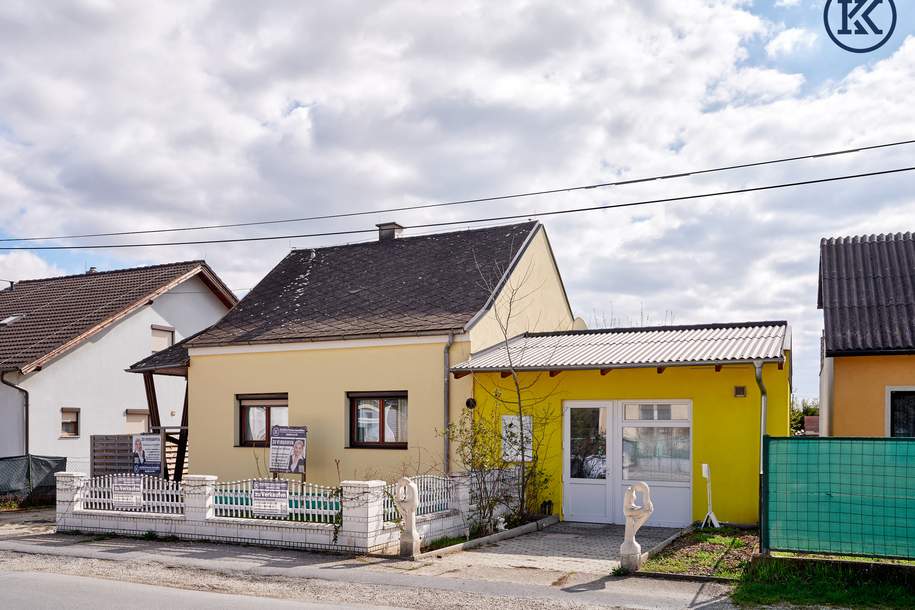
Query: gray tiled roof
{"type": "Point", "coordinates": [408, 285]}
{"type": "Point", "coordinates": [58, 310]}
{"type": "Point", "coordinates": [867, 293]}
{"type": "Point", "coordinates": [635, 347]}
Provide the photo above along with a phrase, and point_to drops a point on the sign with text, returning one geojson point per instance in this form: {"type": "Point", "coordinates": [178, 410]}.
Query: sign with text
{"type": "Point", "coordinates": [147, 454]}
{"type": "Point", "coordinates": [127, 493]}
{"type": "Point", "coordinates": [270, 498]}
{"type": "Point", "coordinates": [287, 448]}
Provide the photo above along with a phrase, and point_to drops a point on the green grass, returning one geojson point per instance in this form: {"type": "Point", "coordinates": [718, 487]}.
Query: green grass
{"type": "Point", "coordinates": [722, 553]}
{"type": "Point", "coordinates": [441, 543]}
{"type": "Point", "coordinates": [858, 558]}
{"type": "Point", "coordinates": [823, 583]}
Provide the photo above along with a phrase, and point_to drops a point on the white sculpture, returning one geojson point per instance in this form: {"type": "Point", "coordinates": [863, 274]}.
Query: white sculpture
{"type": "Point", "coordinates": [406, 497]}
{"type": "Point", "coordinates": [636, 516]}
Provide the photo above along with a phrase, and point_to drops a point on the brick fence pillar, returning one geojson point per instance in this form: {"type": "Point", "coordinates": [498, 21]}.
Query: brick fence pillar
{"type": "Point", "coordinates": [363, 514]}
{"type": "Point", "coordinates": [69, 495]}
{"type": "Point", "coordinates": [199, 493]}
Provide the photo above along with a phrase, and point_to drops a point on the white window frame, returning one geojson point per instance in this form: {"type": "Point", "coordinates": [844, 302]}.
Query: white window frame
{"type": "Point", "coordinates": [655, 423]}
{"type": "Point", "coordinates": [888, 405]}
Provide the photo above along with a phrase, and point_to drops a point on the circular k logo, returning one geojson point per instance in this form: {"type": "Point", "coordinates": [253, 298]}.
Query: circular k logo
{"type": "Point", "coordinates": [860, 26]}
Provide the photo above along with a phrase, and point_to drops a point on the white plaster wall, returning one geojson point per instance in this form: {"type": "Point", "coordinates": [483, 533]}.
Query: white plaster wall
{"type": "Point", "coordinates": [12, 419]}
{"type": "Point", "coordinates": [92, 377]}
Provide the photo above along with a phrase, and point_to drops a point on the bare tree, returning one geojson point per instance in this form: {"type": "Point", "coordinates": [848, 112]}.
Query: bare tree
{"type": "Point", "coordinates": [526, 399]}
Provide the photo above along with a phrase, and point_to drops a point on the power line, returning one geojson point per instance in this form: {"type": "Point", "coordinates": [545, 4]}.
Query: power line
{"type": "Point", "coordinates": [609, 206]}
{"type": "Point", "coordinates": [424, 206]}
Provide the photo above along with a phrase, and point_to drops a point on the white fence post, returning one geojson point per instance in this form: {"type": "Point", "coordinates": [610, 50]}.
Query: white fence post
{"type": "Point", "coordinates": [199, 492]}
{"type": "Point", "coordinates": [363, 514]}
{"type": "Point", "coordinates": [460, 497]}
{"type": "Point", "coordinates": [69, 494]}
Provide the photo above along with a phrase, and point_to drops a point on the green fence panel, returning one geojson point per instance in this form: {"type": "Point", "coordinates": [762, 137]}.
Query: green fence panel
{"type": "Point", "coordinates": [841, 496]}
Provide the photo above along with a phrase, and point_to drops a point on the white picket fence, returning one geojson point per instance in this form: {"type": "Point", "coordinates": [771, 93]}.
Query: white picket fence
{"type": "Point", "coordinates": [435, 495]}
{"type": "Point", "coordinates": [308, 503]}
{"type": "Point", "coordinates": [158, 495]}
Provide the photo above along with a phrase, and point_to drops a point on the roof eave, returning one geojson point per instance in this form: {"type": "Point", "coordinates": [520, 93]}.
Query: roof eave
{"type": "Point", "coordinates": [597, 367]}
{"type": "Point", "coordinates": [423, 333]}
{"type": "Point", "coordinates": [905, 351]}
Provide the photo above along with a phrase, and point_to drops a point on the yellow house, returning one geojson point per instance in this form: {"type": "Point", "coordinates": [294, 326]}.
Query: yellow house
{"type": "Point", "coordinates": [867, 375]}
{"type": "Point", "coordinates": [356, 343]}
{"type": "Point", "coordinates": [607, 407]}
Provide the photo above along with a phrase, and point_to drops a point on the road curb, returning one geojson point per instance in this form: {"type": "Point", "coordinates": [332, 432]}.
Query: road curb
{"type": "Point", "coordinates": [527, 528]}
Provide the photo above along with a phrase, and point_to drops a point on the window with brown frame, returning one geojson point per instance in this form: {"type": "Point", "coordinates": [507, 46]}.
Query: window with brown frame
{"type": "Point", "coordinates": [378, 419]}
{"type": "Point", "coordinates": [69, 422]}
{"type": "Point", "coordinates": [257, 413]}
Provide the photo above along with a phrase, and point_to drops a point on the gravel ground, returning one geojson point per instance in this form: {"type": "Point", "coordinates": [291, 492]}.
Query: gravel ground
{"type": "Point", "coordinates": [275, 587]}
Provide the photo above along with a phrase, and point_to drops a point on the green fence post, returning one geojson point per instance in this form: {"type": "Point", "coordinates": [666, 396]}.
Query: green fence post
{"type": "Point", "coordinates": [764, 499]}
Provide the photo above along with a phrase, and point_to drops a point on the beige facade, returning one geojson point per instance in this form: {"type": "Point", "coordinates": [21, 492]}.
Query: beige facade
{"type": "Point", "coordinates": [319, 375]}
{"type": "Point", "coordinates": [857, 389]}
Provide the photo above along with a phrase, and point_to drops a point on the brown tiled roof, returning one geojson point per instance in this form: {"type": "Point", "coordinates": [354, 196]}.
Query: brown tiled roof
{"type": "Point", "coordinates": [58, 313]}
{"type": "Point", "coordinates": [402, 286]}
{"type": "Point", "coordinates": [867, 294]}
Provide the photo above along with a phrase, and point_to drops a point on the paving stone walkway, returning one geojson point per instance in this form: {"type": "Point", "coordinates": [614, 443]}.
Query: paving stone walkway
{"type": "Point", "coordinates": [565, 547]}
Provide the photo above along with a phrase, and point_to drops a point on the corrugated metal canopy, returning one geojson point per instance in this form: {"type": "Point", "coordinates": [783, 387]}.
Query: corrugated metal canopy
{"type": "Point", "coordinates": [637, 347]}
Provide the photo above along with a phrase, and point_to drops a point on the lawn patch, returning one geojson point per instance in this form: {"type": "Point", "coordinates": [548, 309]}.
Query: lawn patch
{"type": "Point", "coordinates": [723, 553]}
{"type": "Point", "coordinates": [808, 582]}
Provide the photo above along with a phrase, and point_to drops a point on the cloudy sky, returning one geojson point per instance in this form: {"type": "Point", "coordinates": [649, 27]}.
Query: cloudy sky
{"type": "Point", "coordinates": [129, 115]}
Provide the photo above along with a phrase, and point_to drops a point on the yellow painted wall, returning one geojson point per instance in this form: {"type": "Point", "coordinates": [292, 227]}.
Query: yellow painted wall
{"type": "Point", "coordinates": [317, 382]}
{"type": "Point", "coordinates": [725, 429]}
{"type": "Point", "coordinates": [859, 392]}
{"type": "Point", "coordinates": [540, 303]}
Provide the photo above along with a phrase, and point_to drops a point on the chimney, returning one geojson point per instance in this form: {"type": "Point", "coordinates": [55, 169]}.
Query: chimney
{"type": "Point", "coordinates": [388, 231]}
{"type": "Point", "coordinates": [92, 270]}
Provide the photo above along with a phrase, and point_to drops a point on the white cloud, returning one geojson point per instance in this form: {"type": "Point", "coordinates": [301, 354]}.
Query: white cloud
{"type": "Point", "coordinates": [786, 3]}
{"type": "Point", "coordinates": [20, 265]}
{"type": "Point", "coordinates": [756, 85]}
{"type": "Point", "coordinates": [790, 41]}
{"type": "Point", "coordinates": [174, 114]}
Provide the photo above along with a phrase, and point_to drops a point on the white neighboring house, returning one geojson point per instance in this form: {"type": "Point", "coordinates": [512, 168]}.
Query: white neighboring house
{"type": "Point", "coordinates": [65, 343]}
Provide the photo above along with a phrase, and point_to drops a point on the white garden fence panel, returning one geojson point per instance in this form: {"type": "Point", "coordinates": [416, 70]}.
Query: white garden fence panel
{"type": "Point", "coordinates": [157, 495]}
{"type": "Point", "coordinates": [308, 503]}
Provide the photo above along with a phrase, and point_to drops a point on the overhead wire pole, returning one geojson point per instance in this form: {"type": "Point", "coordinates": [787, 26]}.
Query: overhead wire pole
{"type": "Point", "coordinates": [424, 206]}
{"type": "Point", "coordinates": [547, 213]}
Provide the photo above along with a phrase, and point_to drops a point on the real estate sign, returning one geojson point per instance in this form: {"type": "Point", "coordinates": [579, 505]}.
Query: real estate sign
{"type": "Point", "coordinates": [270, 498]}
{"type": "Point", "coordinates": [147, 454]}
{"type": "Point", "coordinates": [287, 448]}
{"type": "Point", "coordinates": [126, 492]}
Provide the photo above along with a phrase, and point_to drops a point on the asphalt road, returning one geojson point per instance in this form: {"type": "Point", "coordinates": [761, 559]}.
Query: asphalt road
{"type": "Point", "coordinates": [38, 590]}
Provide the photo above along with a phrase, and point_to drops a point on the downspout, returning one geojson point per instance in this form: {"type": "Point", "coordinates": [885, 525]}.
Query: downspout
{"type": "Point", "coordinates": [25, 396]}
{"type": "Point", "coordinates": [763, 411]}
{"type": "Point", "coordinates": [446, 462]}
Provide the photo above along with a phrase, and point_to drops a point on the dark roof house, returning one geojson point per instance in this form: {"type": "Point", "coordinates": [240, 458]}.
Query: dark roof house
{"type": "Point", "coordinates": [44, 318]}
{"type": "Point", "coordinates": [867, 294]}
{"type": "Point", "coordinates": [867, 372]}
{"type": "Point", "coordinates": [395, 286]}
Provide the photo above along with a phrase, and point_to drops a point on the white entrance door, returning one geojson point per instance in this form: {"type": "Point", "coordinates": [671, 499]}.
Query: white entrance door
{"type": "Point", "coordinates": [607, 445]}
{"type": "Point", "coordinates": [585, 446]}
